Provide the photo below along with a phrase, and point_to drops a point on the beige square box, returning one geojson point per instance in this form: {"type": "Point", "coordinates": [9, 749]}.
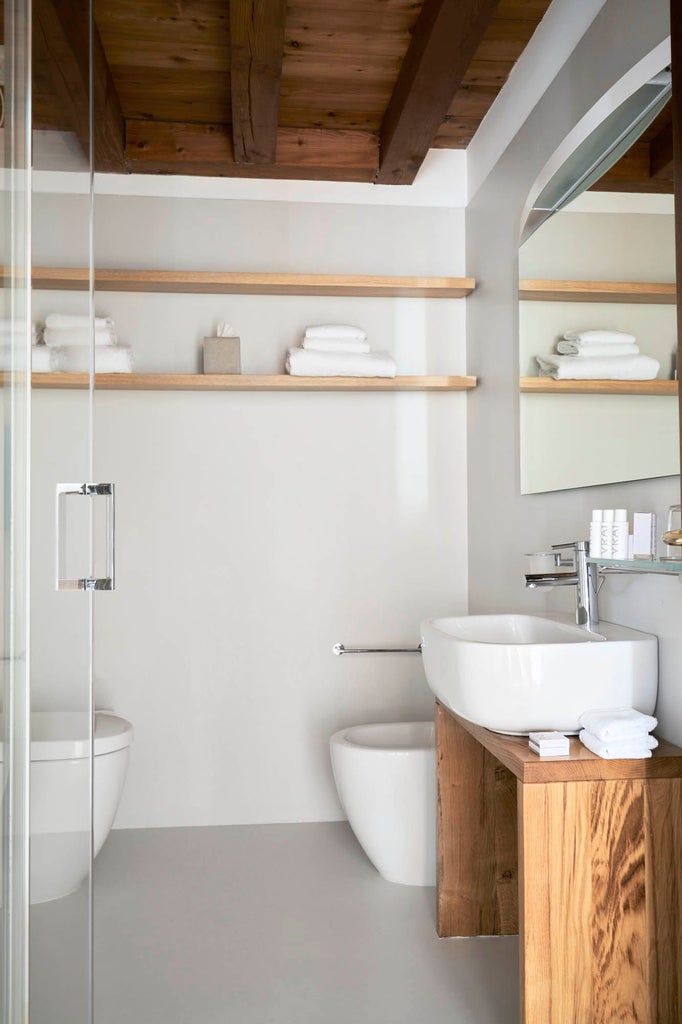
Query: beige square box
{"type": "Point", "coordinates": [222, 355]}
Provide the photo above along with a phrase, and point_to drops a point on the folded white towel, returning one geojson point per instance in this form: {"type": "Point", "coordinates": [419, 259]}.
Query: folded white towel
{"type": "Point", "coordinates": [108, 359]}
{"type": "Point", "coordinates": [7, 326]}
{"type": "Point", "coordinates": [601, 337]}
{"type": "Point", "coordinates": [40, 358]}
{"type": "Point", "coordinates": [599, 367]}
{"type": "Point", "coordinates": [581, 348]}
{"type": "Point", "coordinates": [617, 723]}
{"type": "Point", "coordinates": [302, 362]}
{"type": "Point", "coordinates": [335, 331]}
{"type": "Point", "coordinates": [58, 337]}
{"type": "Point", "coordinates": [335, 345]}
{"type": "Point", "coordinates": [640, 746]}
{"type": "Point", "coordinates": [67, 321]}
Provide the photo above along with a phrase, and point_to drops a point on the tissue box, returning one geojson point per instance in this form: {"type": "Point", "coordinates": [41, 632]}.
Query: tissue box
{"type": "Point", "coordinates": [221, 355]}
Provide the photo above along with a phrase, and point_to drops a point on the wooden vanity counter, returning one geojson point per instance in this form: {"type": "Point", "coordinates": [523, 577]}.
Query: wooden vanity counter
{"type": "Point", "coordinates": [581, 856]}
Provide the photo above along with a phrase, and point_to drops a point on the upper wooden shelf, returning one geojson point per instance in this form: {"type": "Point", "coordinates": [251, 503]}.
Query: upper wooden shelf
{"type": "Point", "coordinates": [217, 282]}
{"type": "Point", "coordinates": [550, 386]}
{"type": "Point", "coordinates": [597, 291]}
{"type": "Point", "coordinates": [247, 382]}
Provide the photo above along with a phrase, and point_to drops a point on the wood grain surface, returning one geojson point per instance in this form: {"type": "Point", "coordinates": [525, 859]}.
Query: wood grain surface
{"type": "Point", "coordinates": [244, 382]}
{"type": "Point", "coordinates": [550, 386]}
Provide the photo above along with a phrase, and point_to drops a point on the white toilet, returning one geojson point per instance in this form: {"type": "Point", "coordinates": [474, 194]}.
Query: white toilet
{"type": "Point", "coordinates": [60, 794]}
{"type": "Point", "coordinates": [385, 776]}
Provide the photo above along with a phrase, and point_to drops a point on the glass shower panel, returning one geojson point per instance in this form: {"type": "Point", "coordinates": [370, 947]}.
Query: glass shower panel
{"type": "Point", "coordinates": [62, 527]}
{"type": "Point", "coordinates": [15, 404]}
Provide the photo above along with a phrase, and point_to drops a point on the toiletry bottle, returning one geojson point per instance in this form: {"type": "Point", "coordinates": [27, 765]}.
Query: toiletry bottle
{"type": "Point", "coordinates": [595, 533]}
{"type": "Point", "coordinates": [620, 534]}
{"type": "Point", "coordinates": [607, 534]}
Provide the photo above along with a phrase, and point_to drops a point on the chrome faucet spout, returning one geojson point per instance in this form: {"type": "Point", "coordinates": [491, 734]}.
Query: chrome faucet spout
{"type": "Point", "coordinates": [583, 578]}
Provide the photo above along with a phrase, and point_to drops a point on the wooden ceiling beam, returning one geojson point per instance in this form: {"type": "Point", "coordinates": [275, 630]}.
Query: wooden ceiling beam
{"type": "Point", "coordinates": [445, 39]}
{"type": "Point", "coordinates": [63, 40]}
{"type": "Point", "coordinates": [154, 147]}
{"type": "Point", "coordinates": [661, 153]}
{"type": "Point", "coordinates": [256, 53]}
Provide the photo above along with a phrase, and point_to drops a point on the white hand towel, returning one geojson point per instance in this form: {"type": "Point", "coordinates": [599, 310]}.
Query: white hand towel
{"type": "Point", "coordinates": [108, 359]}
{"type": "Point", "coordinates": [335, 345]}
{"type": "Point", "coordinates": [58, 337]}
{"type": "Point", "coordinates": [601, 337]}
{"type": "Point", "coordinates": [335, 331]}
{"type": "Point", "coordinates": [41, 359]}
{"type": "Point", "coordinates": [7, 326]}
{"type": "Point", "coordinates": [581, 348]}
{"type": "Point", "coordinates": [599, 368]}
{"type": "Point", "coordinates": [640, 746]}
{"type": "Point", "coordinates": [617, 723]}
{"type": "Point", "coordinates": [67, 322]}
{"type": "Point", "coordinates": [303, 363]}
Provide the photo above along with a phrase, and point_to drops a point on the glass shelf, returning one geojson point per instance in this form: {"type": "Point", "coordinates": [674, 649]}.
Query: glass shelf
{"type": "Point", "coordinates": [640, 565]}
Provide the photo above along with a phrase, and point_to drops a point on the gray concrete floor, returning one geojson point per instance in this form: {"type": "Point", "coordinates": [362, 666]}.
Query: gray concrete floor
{"type": "Point", "coordinates": [270, 924]}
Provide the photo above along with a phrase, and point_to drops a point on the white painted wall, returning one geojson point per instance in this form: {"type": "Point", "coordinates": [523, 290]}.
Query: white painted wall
{"type": "Point", "coordinates": [254, 530]}
{"type": "Point", "coordinates": [623, 32]}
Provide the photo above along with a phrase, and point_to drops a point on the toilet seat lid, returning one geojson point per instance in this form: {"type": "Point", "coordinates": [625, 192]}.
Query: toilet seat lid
{"type": "Point", "coordinates": [62, 735]}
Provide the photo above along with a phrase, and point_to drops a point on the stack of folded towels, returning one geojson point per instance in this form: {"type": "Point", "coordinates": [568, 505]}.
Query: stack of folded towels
{"type": "Point", "coordinates": [618, 733]}
{"type": "Point", "coordinates": [598, 355]}
{"type": "Point", "coordinates": [7, 328]}
{"type": "Point", "coordinates": [65, 346]}
{"type": "Point", "coordinates": [337, 350]}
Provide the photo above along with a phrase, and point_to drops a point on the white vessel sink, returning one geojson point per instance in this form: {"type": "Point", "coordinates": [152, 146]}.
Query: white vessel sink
{"type": "Point", "coordinates": [521, 673]}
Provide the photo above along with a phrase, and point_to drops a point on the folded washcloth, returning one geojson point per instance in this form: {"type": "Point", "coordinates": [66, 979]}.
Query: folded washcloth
{"type": "Point", "coordinates": [108, 359]}
{"type": "Point", "coordinates": [640, 746]}
{"type": "Point", "coordinates": [67, 321]}
{"type": "Point", "coordinates": [302, 362]}
{"type": "Point", "coordinates": [617, 723]}
{"type": "Point", "coordinates": [581, 348]}
{"type": "Point", "coordinates": [601, 337]}
{"type": "Point", "coordinates": [599, 367]}
{"type": "Point", "coordinates": [336, 331]}
{"type": "Point", "coordinates": [57, 337]}
{"type": "Point", "coordinates": [335, 344]}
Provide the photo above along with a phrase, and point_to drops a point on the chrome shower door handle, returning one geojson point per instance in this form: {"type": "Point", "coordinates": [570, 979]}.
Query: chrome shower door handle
{"type": "Point", "coordinates": [86, 582]}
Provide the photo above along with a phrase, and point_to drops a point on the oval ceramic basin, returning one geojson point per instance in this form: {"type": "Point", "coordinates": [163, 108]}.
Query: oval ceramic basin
{"type": "Point", "coordinates": [521, 673]}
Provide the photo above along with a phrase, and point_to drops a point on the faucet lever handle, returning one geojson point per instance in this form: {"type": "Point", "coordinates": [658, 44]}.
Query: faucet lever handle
{"type": "Point", "coordinates": [579, 545]}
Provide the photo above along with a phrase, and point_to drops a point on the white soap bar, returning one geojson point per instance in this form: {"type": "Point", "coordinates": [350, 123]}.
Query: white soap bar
{"type": "Point", "coordinates": [550, 751]}
{"type": "Point", "coordinates": [548, 737]}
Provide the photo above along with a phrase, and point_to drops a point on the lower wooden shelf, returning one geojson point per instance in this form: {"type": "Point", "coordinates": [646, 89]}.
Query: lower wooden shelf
{"type": "Point", "coordinates": [550, 386]}
{"type": "Point", "coordinates": [247, 382]}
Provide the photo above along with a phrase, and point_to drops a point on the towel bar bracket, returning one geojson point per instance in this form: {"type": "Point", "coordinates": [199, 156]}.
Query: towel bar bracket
{"type": "Point", "coordinates": [342, 649]}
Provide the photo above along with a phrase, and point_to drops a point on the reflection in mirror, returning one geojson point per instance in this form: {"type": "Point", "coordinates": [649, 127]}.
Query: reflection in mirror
{"type": "Point", "coordinates": [612, 414]}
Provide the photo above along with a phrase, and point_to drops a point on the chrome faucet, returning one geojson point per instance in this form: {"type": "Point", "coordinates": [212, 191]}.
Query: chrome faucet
{"type": "Point", "coordinates": [583, 578]}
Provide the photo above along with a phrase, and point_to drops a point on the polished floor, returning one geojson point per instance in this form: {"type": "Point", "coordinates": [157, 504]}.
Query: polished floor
{"type": "Point", "coordinates": [270, 924]}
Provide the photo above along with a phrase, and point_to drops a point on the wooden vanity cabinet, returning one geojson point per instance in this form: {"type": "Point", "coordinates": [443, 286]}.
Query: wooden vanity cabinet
{"type": "Point", "coordinates": [581, 856]}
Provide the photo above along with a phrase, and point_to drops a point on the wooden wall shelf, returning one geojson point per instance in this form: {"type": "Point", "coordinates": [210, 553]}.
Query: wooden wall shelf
{"type": "Point", "coordinates": [247, 382]}
{"type": "Point", "coordinates": [216, 282]}
{"type": "Point", "coordinates": [597, 291]}
{"type": "Point", "coordinates": [549, 386]}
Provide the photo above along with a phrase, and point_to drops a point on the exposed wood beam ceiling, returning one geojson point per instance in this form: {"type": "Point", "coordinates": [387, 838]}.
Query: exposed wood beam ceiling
{"type": "Point", "coordinates": [256, 54]}
{"type": "Point", "coordinates": [445, 39]}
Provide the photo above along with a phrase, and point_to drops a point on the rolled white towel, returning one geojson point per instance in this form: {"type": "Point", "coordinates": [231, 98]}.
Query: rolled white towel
{"type": "Point", "coordinates": [617, 723]}
{"type": "Point", "coordinates": [592, 349]}
{"type": "Point", "coordinates": [636, 747]}
{"type": "Point", "coordinates": [108, 359]}
{"type": "Point", "coordinates": [336, 331]}
{"type": "Point", "coordinates": [59, 337]}
{"type": "Point", "coordinates": [41, 359]}
{"type": "Point", "coordinates": [7, 326]}
{"type": "Point", "coordinates": [302, 362]}
{"type": "Point", "coordinates": [601, 337]}
{"type": "Point", "coordinates": [67, 321]}
{"type": "Point", "coordinates": [335, 345]}
{"type": "Point", "coordinates": [598, 367]}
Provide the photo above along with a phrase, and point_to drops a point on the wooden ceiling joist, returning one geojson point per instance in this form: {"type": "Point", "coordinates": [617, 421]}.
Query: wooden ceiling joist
{"type": "Point", "coordinates": [446, 37]}
{"type": "Point", "coordinates": [62, 42]}
{"type": "Point", "coordinates": [661, 153]}
{"type": "Point", "coordinates": [256, 54]}
{"type": "Point", "coordinates": [154, 147]}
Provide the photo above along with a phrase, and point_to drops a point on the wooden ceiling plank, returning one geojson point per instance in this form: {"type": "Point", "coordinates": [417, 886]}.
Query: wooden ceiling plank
{"type": "Point", "coordinates": [61, 27]}
{"type": "Point", "coordinates": [445, 39]}
{"type": "Point", "coordinates": [256, 54]}
{"type": "Point", "coordinates": [157, 148]}
{"type": "Point", "coordinates": [661, 153]}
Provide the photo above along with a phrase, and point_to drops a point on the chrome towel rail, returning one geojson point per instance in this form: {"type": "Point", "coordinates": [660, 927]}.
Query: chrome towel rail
{"type": "Point", "coordinates": [341, 649]}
